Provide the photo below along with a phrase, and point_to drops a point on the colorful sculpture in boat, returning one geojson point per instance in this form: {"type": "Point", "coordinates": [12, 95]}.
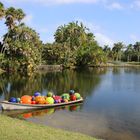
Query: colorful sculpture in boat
{"type": "Point", "coordinates": [37, 98]}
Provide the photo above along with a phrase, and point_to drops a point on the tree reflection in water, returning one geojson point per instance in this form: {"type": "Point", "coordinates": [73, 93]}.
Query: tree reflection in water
{"type": "Point", "coordinates": [83, 81]}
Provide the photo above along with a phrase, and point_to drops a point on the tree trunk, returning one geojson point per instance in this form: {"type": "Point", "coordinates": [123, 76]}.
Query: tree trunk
{"type": "Point", "coordinates": [120, 57]}
{"type": "Point", "coordinates": [117, 58]}
{"type": "Point", "coordinates": [138, 58]}
{"type": "Point", "coordinates": [128, 58]}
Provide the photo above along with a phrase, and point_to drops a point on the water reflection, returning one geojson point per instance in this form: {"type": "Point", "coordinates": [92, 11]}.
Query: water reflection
{"type": "Point", "coordinates": [83, 81]}
{"type": "Point", "coordinates": [111, 109]}
{"type": "Point", "coordinates": [26, 114]}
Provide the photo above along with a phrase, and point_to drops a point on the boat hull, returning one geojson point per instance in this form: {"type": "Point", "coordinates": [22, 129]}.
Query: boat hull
{"type": "Point", "coordinates": [17, 106]}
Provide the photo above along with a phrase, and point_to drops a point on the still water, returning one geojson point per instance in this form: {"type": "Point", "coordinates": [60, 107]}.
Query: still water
{"type": "Point", "coordinates": [111, 109]}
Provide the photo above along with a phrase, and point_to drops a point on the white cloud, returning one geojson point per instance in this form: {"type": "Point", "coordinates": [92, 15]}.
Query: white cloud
{"type": "Point", "coordinates": [50, 2]}
{"type": "Point", "coordinates": [28, 19]}
{"type": "Point", "coordinates": [134, 38]}
{"type": "Point", "coordinates": [100, 36]}
{"type": "Point", "coordinates": [114, 6]}
{"type": "Point", "coordinates": [105, 3]}
{"type": "Point", "coordinates": [135, 4]}
{"type": "Point", "coordinates": [72, 1]}
{"type": "Point", "coordinates": [103, 39]}
{"type": "Point", "coordinates": [92, 27]}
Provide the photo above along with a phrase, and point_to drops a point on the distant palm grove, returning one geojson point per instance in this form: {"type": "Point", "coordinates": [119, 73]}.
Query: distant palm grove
{"type": "Point", "coordinates": [22, 50]}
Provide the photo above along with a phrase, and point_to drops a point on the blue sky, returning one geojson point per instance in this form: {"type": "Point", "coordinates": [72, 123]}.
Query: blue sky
{"type": "Point", "coordinates": [110, 20]}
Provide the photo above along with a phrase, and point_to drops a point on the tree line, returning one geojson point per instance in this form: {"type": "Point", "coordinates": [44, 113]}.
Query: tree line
{"type": "Point", "coordinates": [75, 45]}
{"type": "Point", "coordinates": [122, 52]}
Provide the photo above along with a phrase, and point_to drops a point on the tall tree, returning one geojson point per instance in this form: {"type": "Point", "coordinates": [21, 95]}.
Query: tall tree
{"type": "Point", "coordinates": [137, 50]}
{"type": "Point", "coordinates": [21, 45]}
{"type": "Point", "coordinates": [24, 47]}
{"type": "Point", "coordinates": [107, 51]}
{"type": "Point", "coordinates": [13, 16]}
{"type": "Point", "coordinates": [10, 17]}
{"type": "Point", "coordinates": [73, 34]}
{"type": "Point", "coordinates": [129, 52]}
{"type": "Point", "coordinates": [117, 50]}
{"type": "Point", "coordinates": [81, 48]}
{"type": "Point", "coordinates": [19, 15]}
{"type": "Point", "coordinates": [2, 15]}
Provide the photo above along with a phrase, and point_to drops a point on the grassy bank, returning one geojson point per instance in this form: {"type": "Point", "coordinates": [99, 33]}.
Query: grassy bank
{"type": "Point", "coordinates": [121, 64]}
{"type": "Point", "coordinates": [15, 129]}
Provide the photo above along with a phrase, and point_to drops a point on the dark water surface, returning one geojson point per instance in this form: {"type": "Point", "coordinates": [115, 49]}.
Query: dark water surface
{"type": "Point", "coordinates": [111, 109]}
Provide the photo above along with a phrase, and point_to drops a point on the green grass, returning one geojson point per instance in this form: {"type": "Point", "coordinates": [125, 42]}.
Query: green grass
{"type": "Point", "coordinates": [134, 63]}
{"type": "Point", "coordinates": [123, 64]}
{"type": "Point", "coordinates": [15, 129]}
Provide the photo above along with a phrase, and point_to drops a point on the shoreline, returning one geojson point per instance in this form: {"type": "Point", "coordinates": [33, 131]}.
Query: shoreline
{"type": "Point", "coordinates": [118, 64]}
{"type": "Point", "coordinates": [20, 130]}
{"type": "Point", "coordinates": [58, 68]}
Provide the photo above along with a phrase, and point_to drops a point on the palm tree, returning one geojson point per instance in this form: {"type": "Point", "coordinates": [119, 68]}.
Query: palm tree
{"type": "Point", "coordinates": [2, 14]}
{"type": "Point", "coordinates": [10, 17]}
{"type": "Point", "coordinates": [19, 15]}
{"type": "Point", "coordinates": [106, 49]}
{"type": "Point", "coordinates": [2, 10]}
{"type": "Point", "coordinates": [84, 36]}
{"type": "Point", "coordinates": [137, 50]}
{"type": "Point", "coordinates": [80, 45]}
{"type": "Point", "coordinates": [129, 52]}
{"type": "Point", "coordinates": [117, 50]}
{"type": "Point", "coordinates": [73, 34]}
{"type": "Point", "coordinates": [72, 31]}
{"type": "Point", "coordinates": [60, 34]}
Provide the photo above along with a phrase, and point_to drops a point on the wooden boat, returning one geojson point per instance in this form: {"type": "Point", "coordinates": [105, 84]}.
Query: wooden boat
{"type": "Point", "coordinates": [39, 112]}
{"type": "Point", "coordinates": [17, 106]}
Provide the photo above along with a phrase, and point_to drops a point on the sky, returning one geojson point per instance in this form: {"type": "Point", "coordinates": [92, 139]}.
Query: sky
{"type": "Point", "coordinates": [110, 21]}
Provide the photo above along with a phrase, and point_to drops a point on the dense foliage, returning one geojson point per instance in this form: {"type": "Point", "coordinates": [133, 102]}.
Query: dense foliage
{"type": "Point", "coordinates": [74, 45]}
{"type": "Point", "coordinates": [22, 50]}
{"type": "Point", "coordinates": [21, 46]}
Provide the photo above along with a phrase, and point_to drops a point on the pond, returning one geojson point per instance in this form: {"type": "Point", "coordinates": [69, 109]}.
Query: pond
{"type": "Point", "coordinates": [111, 109]}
